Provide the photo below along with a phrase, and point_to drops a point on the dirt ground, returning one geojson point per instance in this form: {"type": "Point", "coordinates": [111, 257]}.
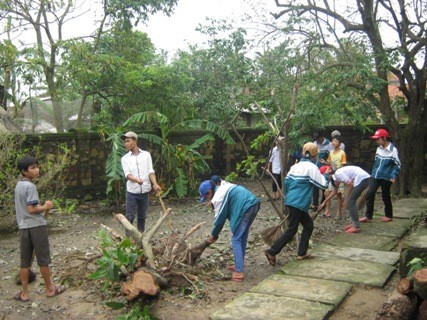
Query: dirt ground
{"type": "Point", "coordinates": [73, 241]}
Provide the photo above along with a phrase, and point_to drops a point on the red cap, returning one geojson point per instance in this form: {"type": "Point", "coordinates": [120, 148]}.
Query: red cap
{"type": "Point", "coordinates": [380, 133]}
{"type": "Point", "coordinates": [323, 169]}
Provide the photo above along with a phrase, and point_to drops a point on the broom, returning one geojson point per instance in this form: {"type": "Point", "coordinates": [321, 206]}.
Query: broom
{"type": "Point", "coordinates": [271, 234]}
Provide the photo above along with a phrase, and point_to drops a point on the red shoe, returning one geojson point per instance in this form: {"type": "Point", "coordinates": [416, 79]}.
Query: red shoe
{"type": "Point", "coordinates": [365, 219]}
{"type": "Point", "coordinates": [353, 230]}
{"type": "Point", "coordinates": [386, 219]}
{"type": "Point", "coordinates": [348, 227]}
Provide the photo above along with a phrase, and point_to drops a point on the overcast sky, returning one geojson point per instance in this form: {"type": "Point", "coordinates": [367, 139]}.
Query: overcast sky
{"type": "Point", "coordinates": [171, 33]}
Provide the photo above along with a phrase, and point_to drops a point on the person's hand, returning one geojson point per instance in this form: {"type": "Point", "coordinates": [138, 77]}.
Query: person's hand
{"type": "Point", "coordinates": [322, 160]}
{"type": "Point", "coordinates": [320, 208]}
{"type": "Point", "coordinates": [48, 204]}
{"type": "Point", "coordinates": [157, 188]}
{"type": "Point", "coordinates": [393, 180]}
{"type": "Point", "coordinates": [211, 239]}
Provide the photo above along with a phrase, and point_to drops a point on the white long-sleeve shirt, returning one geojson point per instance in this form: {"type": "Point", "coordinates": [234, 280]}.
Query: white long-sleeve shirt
{"type": "Point", "coordinates": [140, 166]}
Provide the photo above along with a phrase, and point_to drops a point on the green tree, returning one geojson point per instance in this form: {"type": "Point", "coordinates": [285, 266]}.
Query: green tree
{"type": "Point", "coordinates": [221, 72]}
{"type": "Point", "coordinates": [406, 58]}
{"type": "Point", "coordinates": [47, 18]}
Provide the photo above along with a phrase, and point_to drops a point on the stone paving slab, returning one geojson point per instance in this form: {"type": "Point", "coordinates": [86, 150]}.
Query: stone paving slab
{"type": "Point", "coordinates": [256, 306]}
{"type": "Point", "coordinates": [317, 290]}
{"type": "Point", "coordinates": [357, 254]}
{"type": "Point", "coordinates": [407, 212]}
{"type": "Point", "coordinates": [396, 228]}
{"type": "Point", "coordinates": [418, 239]}
{"type": "Point", "coordinates": [358, 272]}
{"type": "Point", "coordinates": [364, 240]}
{"type": "Point", "coordinates": [419, 204]}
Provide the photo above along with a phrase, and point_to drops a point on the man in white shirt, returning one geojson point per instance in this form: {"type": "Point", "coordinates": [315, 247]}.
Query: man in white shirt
{"type": "Point", "coordinates": [139, 173]}
{"type": "Point", "coordinates": [356, 180]}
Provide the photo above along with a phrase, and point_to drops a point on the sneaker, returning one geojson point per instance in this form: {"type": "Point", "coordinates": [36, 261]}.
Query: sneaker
{"type": "Point", "coordinates": [353, 230]}
{"type": "Point", "coordinates": [365, 219]}
{"type": "Point", "coordinates": [386, 219]}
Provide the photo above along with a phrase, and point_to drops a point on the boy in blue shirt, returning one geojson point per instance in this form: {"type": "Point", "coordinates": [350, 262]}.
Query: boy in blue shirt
{"type": "Point", "coordinates": [300, 181]}
{"type": "Point", "coordinates": [239, 206]}
{"type": "Point", "coordinates": [384, 173]}
{"type": "Point", "coordinates": [32, 229]}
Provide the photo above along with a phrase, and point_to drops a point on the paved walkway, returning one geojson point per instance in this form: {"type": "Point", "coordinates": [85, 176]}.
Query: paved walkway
{"type": "Point", "coordinates": [314, 288]}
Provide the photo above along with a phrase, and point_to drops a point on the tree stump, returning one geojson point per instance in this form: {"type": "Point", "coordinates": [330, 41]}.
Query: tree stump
{"type": "Point", "coordinates": [398, 307]}
{"type": "Point", "coordinates": [420, 283]}
{"type": "Point", "coordinates": [141, 282]}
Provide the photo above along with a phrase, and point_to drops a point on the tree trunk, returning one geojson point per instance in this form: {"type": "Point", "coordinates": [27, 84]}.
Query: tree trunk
{"type": "Point", "coordinates": [405, 286]}
{"type": "Point", "coordinates": [411, 153]}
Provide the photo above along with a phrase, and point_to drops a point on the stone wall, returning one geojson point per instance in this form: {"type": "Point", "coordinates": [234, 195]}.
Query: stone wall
{"type": "Point", "coordinates": [87, 177]}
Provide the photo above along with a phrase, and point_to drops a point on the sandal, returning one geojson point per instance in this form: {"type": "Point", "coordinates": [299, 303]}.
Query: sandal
{"type": "Point", "coordinates": [18, 297]}
{"type": "Point", "coordinates": [237, 276]}
{"type": "Point", "coordinates": [271, 259]}
{"type": "Point", "coordinates": [306, 256]}
{"type": "Point", "coordinates": [58, 290]}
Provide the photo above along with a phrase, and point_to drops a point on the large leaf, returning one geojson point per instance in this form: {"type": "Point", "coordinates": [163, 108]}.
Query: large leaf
{"type": "Point", "coordinates": [200, 141]}
{"type": "Point", "coordinates": [146, 117]}
{"type": "Point", "coordinates": [181, 183]}
{"type": "Point", "coordinates": [209, 126]}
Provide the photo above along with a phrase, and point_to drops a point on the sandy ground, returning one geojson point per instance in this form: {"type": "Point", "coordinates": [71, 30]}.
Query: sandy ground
{"type": "Point", "coordinates": [73, 239]}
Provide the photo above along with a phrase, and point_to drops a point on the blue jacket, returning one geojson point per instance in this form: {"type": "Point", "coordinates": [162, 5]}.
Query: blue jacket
{"type": "Point", "coordinates": [230, 202]}
{"type": "Point", "coordinates": [299, 183]}
{"type": "Point", "coordinates": [387, 163]}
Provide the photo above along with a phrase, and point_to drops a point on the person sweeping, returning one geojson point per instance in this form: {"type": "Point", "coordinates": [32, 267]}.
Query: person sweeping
{"type": "Point", "coordinates": [238, 205]}
{"type": "Point", "coordinates": [298, 187]}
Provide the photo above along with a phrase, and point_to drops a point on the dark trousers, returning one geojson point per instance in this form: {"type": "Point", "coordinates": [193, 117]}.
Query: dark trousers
{"type": "Point", "coordinates": [296, 217]}
{"type": "Point", "coordinates": [277, 178]}
{"type": "Point", "coordinates": [385, 185]}
{"type": "Point", "coordinates": [137, 203]}
{"type": "Point", "coordinates": [316, 192]}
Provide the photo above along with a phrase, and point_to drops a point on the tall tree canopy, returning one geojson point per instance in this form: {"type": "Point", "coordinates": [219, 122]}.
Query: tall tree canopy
{"type": "Point", "coordinates": [46, 19]}
{"type": "Point", "coordinates": [395, 33]}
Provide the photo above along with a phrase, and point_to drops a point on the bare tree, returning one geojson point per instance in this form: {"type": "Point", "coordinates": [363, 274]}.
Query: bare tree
{"type": "Point", "coordinates": [380, 22]}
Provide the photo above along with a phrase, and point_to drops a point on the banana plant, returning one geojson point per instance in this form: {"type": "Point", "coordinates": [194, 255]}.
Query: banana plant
{"type": "Point", "coordinates": [178, 164]}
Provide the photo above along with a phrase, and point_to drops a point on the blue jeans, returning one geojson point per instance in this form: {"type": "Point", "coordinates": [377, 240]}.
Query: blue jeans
{"type": "Point", "coordinates": [296, 217]}
{"type": "Point", "coordinates": [240, 237]}
{"type": "Point", "coordinates": [137, 203]}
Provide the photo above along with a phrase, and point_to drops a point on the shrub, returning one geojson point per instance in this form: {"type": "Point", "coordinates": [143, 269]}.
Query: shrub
{"type": "Point", "coordinates": [51, 183]}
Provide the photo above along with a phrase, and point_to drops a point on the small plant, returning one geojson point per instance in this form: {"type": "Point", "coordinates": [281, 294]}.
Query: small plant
{"type": "Point", "coordinates": [138, 313]}
{"type": "Point", "coordinates": [117, 259]}
{"type": "Point", "coordinates": [65, 206]}
{"type": "Point", "coordinates": [417, 264]}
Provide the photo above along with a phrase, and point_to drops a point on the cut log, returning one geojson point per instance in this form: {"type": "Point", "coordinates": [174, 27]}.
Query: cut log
{"type": "Point", "coordinates": [405, 286]}
{"type": "Point", "coordinates": [398, 307]}
{"type": "Point", "coordinates": [420, 283]}
{"type": "Point", "coordinates": [422, 313]}
{"type": "Point", "coordinates": [141, 282]}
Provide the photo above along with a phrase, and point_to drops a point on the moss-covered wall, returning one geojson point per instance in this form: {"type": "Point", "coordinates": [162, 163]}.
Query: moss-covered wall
{"type": "Point", "coordinates": [87, 177]}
